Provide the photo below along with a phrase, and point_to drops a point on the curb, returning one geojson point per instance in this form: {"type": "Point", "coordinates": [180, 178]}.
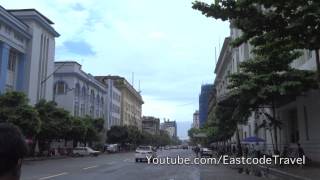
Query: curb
{"type": "Point", "coordinates": [45, 158]}
{"type": "Point", "coordinates": [280, 173]}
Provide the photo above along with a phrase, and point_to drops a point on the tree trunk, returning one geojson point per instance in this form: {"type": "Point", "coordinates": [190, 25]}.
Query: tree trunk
{"type": "Point", "coordinates": [239, 153]}
{"type": "Point", "coordinates": [318, 64]}
{"type": "Point", "coordinates": [275, 128]}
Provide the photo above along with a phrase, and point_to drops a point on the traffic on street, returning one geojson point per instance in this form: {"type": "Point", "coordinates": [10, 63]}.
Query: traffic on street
{"type": "Point", "coordinates": [120, 166]}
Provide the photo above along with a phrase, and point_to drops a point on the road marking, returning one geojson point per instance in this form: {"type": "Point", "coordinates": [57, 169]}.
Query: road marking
{"type": "Point", "coordinates": [90, 167]}
{"type": "Point", "coordinates": [48, 177]}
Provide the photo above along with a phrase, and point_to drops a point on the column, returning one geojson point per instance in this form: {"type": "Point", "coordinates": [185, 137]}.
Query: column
{"type": "Point", "coordinates": [4, 57]}
{"type": "Point", "coordinates": [21, 72]}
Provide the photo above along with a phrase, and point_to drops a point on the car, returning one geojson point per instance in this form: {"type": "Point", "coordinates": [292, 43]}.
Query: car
{"type": "Point", "coordinates": [142, 152]}
{"type": "Point", "coordinates": [85, 151]}
{"type": "Point", "coordinates": [206, 152]}
{"type": "Point", "coordinates": [112, 148]}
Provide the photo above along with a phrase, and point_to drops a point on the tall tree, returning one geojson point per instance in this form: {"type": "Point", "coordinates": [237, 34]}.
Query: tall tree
{"type": "Point", "coordinates": [14, 108]}
{"type": "Point", "coordinates": [295, 20]}
{"type": "Point", "coordinates": [276, 29]}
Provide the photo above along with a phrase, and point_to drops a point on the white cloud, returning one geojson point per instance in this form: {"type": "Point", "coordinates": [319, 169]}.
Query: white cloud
{"type": "Point", "coordinates": [168, 45]}
{"type": "Point", "coordinates": [156, 35]}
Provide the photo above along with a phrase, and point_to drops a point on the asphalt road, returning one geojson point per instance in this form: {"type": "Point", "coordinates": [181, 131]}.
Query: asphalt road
{"type": "Point", "coordinates": [121, 166]}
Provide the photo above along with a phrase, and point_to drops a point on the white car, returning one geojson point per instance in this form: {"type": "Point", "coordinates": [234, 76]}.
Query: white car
{"type": "Point", "coordinates": [85, 151]}
{"type": "Point", "coordinates": [112, 148]}
{"type": "Point", "coordinates": [142, 152]}
{"type": "Point", "coordinates": [205, 152]}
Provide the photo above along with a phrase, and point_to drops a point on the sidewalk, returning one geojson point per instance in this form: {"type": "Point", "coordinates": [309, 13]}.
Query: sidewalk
{"type": "Point", "coordinates": [311, 172]}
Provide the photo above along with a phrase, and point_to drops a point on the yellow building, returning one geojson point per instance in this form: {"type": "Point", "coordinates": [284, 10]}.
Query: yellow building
{"type": "Point", "coordinates": [131, 101]}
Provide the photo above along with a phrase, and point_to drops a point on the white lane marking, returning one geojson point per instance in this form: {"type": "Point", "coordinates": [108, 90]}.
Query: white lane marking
{"type": "Point", "coordinates": [48, 177]}
{"type": "Point", "coordinates": [90, 167]}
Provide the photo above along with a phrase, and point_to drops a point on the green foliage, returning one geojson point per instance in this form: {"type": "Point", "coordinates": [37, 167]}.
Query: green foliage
{"type": "Point", "coordinates": [294, 22]}
{"type": "Point", "coordinates": [135, 137]}
{"type": "Point", "coordinates": [55, 121]}
{"type": "Point", "coordinates": [275, 29]}
{"type": "Point", "coordinates": [14, 108]}
{"type": "Point", "coordinates": [117, 134]}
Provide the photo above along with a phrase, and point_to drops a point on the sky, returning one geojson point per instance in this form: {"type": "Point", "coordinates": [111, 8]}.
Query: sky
{"type": "Point", "coordinates": [165, 45]}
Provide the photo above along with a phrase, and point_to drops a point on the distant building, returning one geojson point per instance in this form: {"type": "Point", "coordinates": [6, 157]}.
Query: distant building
{"type": "Point", "coordinates": [151, 125]}
{"type": "Point", "coordinates": [78, 92]}
{"type": "Point", "coordinates": [27, 47]}
{"type": "Point", "coordinates": [195, 123]}
{"type": "Point", "coordinates": [131, 101]}
{"type": "Point", "coordinates": [114, 103]}
{"type": "Point", "coordinates": [170, 127]}
{"type": "Point", "coordinates": [204, 103]}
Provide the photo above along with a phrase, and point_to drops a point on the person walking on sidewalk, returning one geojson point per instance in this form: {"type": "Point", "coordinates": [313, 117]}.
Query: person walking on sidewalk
{"type": "Point", "coordinates": [13, 148]}
{"type": "Point", "coordinates": [197, 150]}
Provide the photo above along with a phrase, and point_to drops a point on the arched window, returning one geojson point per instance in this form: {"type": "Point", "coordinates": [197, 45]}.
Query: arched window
{"type": "Point", "coordinates": [77, 90]}
{"type": "Point", "coordinates": [98, 100]}
{"type": "Point", "coordinates": [102, 102]}
{"type": "Point", "coordinates": [83, 92]}
{"type": "Point", "coordinates": [60, 87]}
{"type": "Point", "coordinates": [92, 96]}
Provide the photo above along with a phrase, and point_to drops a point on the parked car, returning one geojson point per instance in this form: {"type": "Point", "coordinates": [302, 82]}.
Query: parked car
{"type": "Point", "coordinates": [142, 152]}
{"type": "Point", "coordinates": [85, 151]}
{"type": "Point", "coordinates": [206, 152]}
{"type": "Point", "coordinates": [112, 148]}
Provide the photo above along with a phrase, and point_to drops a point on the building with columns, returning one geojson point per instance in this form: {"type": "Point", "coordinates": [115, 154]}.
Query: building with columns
{"type": "Point", "coordinates": [27, 48]}
{"type": "Point", "coordinates": [299, 116]}
{"type": "Point", "coordinates": [131, 101]}
{"type": "Point", "coordinates": [114, 102]}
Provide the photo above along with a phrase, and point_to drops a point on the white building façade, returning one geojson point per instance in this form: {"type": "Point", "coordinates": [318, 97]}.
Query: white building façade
{"type": "Point", "coordinates": [27, 48]}
{"type": "Point", "coordinates": [78, 92]}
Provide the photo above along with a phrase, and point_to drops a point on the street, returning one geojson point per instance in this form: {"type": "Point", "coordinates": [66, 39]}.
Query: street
{"type": "Point", "coordinates": [121, 166]}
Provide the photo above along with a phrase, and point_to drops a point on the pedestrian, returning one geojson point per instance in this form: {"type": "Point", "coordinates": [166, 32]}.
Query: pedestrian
{"type": "Point", "coordinates": [197, 150]}
{"type": "Point", "coordinates": [246, 151]}
{"type": "Point", "coordinates": [285, 152]}
{"type": "Point", "coordinates": [13, 148]}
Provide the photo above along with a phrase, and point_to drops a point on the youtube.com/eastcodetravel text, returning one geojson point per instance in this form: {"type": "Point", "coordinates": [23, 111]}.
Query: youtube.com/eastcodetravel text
{"type": "Point", "coordinates": [227, 160]}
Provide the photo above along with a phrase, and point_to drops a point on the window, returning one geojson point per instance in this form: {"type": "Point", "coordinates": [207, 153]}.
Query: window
{"type": "Point", "coordinates": [98, 100]}
{"type": "Point", "coordinates": [92, 96]}
{"type": "Point", "coordinates": [12, 60]}
{"type": "Point", "coordinates": [8, 30]}
{"type": "Point", "coordinates": [102, 102]}
{"type": "Point", "coordinates": [77, 90]}
{"type": "Point", "coordinates": [84, 93]}
{"type": "Point", "coordinates": [60, 87]}
{"type": "Point", "coordinates": [76, 109]}
{"type": "Point", "coordinates": [92, 111]}
{"type": "Point", "coordinates": [82, 110]}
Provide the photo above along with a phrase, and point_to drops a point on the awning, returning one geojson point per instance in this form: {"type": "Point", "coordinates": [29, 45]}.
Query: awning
{"type": "Point", "coordinates": [253, 139]}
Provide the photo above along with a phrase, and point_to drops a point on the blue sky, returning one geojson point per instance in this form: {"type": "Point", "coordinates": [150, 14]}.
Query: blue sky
{"type": "Point", "coordinates": [168, 46]}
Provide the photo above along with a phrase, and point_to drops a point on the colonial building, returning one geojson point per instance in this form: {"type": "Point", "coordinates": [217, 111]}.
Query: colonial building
{"type": "Point", "coordinates": [78, 92]}
{"type": "Point", "coordinates": [114, 102]}
{"type": "Point", "coordinates": [299, 117]}
{"type": "Point", "coordinates": [151, 125]}
{"type": "Point", "coordinates": [27, 48]}
{"type": "Point", "coordinates": [131, 101]}
{"type": "Point", "coordinates": [170, 127]}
